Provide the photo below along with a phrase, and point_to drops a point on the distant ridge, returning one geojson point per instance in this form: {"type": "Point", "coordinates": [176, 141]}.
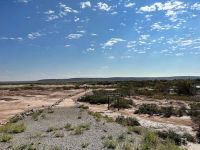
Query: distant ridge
{"type": "Point", "coordinates": [120, 79]}
{"type": "Point", "coordinates": [62, 81]}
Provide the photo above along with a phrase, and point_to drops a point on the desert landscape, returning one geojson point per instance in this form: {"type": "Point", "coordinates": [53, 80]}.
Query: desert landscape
{"type": "Point", "coordinates": [100, 106]}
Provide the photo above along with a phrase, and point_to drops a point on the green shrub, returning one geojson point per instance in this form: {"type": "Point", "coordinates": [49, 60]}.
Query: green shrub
{"type": "Point", "coordinates": [110, 143]}
{"type": "Point", "coordinates": [36, 114]}
{"type": "Point", "coordinates": [85, 145]}
{"type": "Point", "coordinates": [168, 145]}
{"type": "Point", "coordinates": [122, 103]}
{"type": "Point", "coordinates": [137, 130]}
{"type": "Point", "coordinates": [149, 109]}
{"type": "Point", "coordinates": [129, 121]}
{"type": "Point", "coordinates": [51, 129]}
{"type": "Point", "coordinates": [83, 107]}
{"type": "Point", "coordinates": [189, 137]}
{"type": "Point", "coordinates": [12, 128]}
{"type": "Point", "coordinates": [5, 138]}
{"type": "Point", "coordinates": [172, 136]}
{"type": "Point", "coordinates": [127, 146]}
{"type": "Point", "coordinates": [25, 147]}
{"type": "Point", "coordinates": [122, 137]}
{"type": "Point", "coordinates": [154, 109]}
{"type": "Point", "coordinates": [150, 141]}
{"type": "Point", "coordinates": [81, 128]}
{"type": "Point", "coordinates": [68, 127]}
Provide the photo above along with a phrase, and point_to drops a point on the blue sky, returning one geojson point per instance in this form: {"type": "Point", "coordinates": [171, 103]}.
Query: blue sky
{"type": "Point", "coordinates": [102, 38]}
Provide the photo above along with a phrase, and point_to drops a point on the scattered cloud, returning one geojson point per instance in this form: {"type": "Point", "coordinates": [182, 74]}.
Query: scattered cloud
{"type": "Point", "coordinates": [129, 5]}
{"type": "Point", "coordinates": [112, 42]}
{"type": "Point", "coordinates": [49, 12]}
{"type": "Point", "coordinates": [179, 54]}
{"type": "Point", "coordinates": [103, 6]}
{"type": "Point", "coordinates": [90, 49]}
{"type": "Point", "coordinates": [34, 35]}
{"type": "Point", "coordinates": [74, 36]}
{"type": "Point", "coordinates": [195, 6]}
{"type": "Point", "coordinates": [12, 38]}
{"type": "Point", "coordinates": [67, 46]}
{"type": "Point", "coordinates": [24, 1]}
{"type": "Point", "coordinates": [65, 10]}
{"type": "Point", "coordinates": [85, 4]}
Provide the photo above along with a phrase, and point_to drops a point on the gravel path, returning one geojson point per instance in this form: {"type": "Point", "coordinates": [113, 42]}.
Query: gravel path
{"type": "Point", "coordinates": [37, 135]}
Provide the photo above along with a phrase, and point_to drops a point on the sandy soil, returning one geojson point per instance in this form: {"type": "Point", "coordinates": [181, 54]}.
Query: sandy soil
{"type": "Point", "coordinates": [28, 99]}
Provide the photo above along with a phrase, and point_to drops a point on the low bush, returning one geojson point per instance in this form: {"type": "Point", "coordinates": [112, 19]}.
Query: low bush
{"type": "Point", "coordinates": [127, 146]}
{"type": "Point", "coordinates": [79, 129]}
{"type": "Point", "coordinates": [172, 136]}
{"type": "Point", "coordinates": [129, 121]}
{"type": "Point", "coordinates": [5, 138]}
{"type": "Point", "coordinates": [85, 145]}
{"type": "Point", "coordinates": [68, 127]}
{"type": "Point", "coordinates": [101, 97]}
{"type": "Point", "coordinates": [110, 143]}
{"type": "Point", "coordinates": [137, 130]}
{"type": "Point", "coordinates": [12, 128]}
{"type": "Point", "coordinates": [153, 109]}
{"type": "Point", "coordinates": [37, 114]}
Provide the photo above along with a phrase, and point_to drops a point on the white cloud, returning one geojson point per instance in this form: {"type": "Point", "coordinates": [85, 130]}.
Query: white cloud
{"type": "Point", "coordinates": [170, 5]}
{"type": "Point", "coordinates": [65, 10]}
{"type": "Point", "coordinates": [76, 19]}
{"type": "Point", "coordinates": [131, 44]}
{"type": "Point", "coordinates": [85, 4]}
{"type": "Point", "coordinates": [90, 49]}
{"type": "Point", "coordinates": [12, 38]}
{"type": "Point", "coordinates": [49, 12]}
{"type": "Point", "coordinates": [103, 6]}
{"type": "Point", "coordinates": [34, 35]}
{"type": "Point", "coordinates": [195, 6]}
{"type": "Point", "coordinates": [74, 36]}
{"type": "Point", "coordinates": [112, 42]}
{"type": "Point", "coordinates": [179, 54]}
{"type": "Point", "coordinates": [157, 26]}
{"type": "Point", "coordinates": [129, 5]}
{"type": "Point", "coordinates": [67, 46]}
{"type": "Point", "coordinates": [93, 34]}
{"type": "Point", "coordinates": [144, 37]}
{"type": "Point", "coordinates": [81, 31]}
{"type": "Point", "coordinates": [52, 17]}
{"type": "Point", "coordinates": [24, 1]}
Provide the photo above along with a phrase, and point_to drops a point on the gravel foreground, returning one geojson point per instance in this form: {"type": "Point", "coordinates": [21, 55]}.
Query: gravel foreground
{"type": "Point", "coordinates": [48, 132]}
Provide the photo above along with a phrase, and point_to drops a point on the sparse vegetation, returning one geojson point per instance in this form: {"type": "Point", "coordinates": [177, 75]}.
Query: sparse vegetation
{"type": "Point", "coordinates": [127, 146]}
{"type": "Point", "coordinates": [79, 129]}
{"type": "Point", "coordinates": [153, 109]}
{"type": "Point", "coordinates": [101, 97]}
{"type": "Point", "coordinates": [5, 138]}
{"type": "Point", "coordinates": [12, 128]}
{"type": "Point", "coordinates": [68, 127]}
{"type": "Point", "coordinates": [37, 114]}
{"type": "Point", "coordinates": [110, 143]}
{"type": "Point", "coordinates": [129, 121]}
{"type": "Point", "coordinates": [137, 130]}
{"type": "Point", "coordinates": [85, 145]}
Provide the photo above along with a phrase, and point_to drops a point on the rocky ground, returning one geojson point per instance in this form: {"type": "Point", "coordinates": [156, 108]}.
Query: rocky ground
{"type": "Point", "coordinates": [48, 132]}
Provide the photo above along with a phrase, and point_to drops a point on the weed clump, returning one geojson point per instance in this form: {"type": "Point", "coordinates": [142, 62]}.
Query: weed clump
{"type": "Point", "coordinates": [129, 121]}
{"type": "Point", "coordinates": [12, 128]}
{"type": "Point", "coordinates": [5, 138]}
